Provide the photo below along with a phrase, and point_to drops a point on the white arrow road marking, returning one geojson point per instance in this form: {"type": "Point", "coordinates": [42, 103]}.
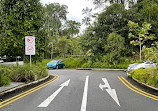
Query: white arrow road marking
{"type": "Point", "coordinates": [111, 92]}
{"type": "Point", "coordinates": [84, 99]}
{"type": "Point", "coordinates": [50, 98]}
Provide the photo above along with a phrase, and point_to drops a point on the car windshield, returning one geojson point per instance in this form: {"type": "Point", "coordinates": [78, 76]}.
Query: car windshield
{"type": "Point", "coordinates": [53, 61]}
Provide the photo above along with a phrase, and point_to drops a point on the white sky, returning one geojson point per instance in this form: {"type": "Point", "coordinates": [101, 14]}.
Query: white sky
{"type": "Point", "coordinates": [75, 7]}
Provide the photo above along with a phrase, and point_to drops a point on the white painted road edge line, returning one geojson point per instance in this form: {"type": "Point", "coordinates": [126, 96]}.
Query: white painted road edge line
{"type": "Point", "coordinates": [51, 98]}
{"type": "Point", "coordinates": [84, 99]}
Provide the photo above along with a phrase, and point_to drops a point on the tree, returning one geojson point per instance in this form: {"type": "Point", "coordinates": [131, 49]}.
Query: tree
{"type": "Point", "coordinates": [71, 28]}
{"type": "Point", "coordinates": [17, 18]}
{"type": "Point", "coordinates": [103, 2]}
{"type": "Point", "coordinates": [55, 13]}
{"type": "Point", "coordinates": [114, 48]}
{"type": "Point", "coordinates": [149, 10]}
{"type": "Point", "coordinates": [151, 53]}
{"type": "Point", "coordinates": [139, 34]}
{"type": "Point", "coordinates": [62, 45]}
{"type": "Point", "coordinates": [88, 15]}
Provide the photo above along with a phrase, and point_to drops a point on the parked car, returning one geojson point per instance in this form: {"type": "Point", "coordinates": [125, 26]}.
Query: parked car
{"type": "Point", "coordinates": [1, 61]}
{"type": "Point", "coordinates": [4, 58]}
{"type": "Point", "coordinates": [56, 64]}
{"type": "Point", "coordinates": [144, 65]}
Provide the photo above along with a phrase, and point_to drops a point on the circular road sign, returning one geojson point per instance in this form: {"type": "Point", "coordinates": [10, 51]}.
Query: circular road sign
{"type": "Point", "coordinates": [30, 49]}
{"type": "Point", "coordinates": [30, 39]}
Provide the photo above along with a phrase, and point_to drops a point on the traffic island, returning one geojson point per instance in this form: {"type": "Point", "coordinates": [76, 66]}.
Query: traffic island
{"type": "Point", "coordinates": [19, 85]}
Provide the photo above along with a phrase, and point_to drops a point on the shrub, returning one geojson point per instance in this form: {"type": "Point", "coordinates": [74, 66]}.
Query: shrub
{"type": "Point", "coordinates": [4, 81]}
{"type": "Point", "coordinates": [148, 76]}
{"type": "Point", "coordinates": [73, 62]}
{"type": "Point", "coordinates": [26, 73]}
{"type": "Point", "coordinates": [22, 73]}
{"type": "Point", "coordinates": [4, 75]}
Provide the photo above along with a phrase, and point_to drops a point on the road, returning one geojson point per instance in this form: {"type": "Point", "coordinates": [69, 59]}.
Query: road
{"type": "Point", "coordinates": [11, 63]}
{"type": "Point", "coordinates": [79, 90]}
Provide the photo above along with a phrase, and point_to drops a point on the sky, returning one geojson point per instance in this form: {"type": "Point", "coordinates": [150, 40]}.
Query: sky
{"type": "Point", "coordinates": [75, 7]}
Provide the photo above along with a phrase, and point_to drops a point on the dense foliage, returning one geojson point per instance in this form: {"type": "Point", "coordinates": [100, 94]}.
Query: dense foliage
{"type": "Point", "coordinates": [122, 33]}
{"type": "Point", "coordinates": [148, 76]}
{"type": "Point", "coordinates": [108, 39]}
{"type": "Point", "coordinates": [19, 73]}
{"type": "Point", "coordinates": [134, 25]}
{"type": "Point", "coordinates": [20, 18]}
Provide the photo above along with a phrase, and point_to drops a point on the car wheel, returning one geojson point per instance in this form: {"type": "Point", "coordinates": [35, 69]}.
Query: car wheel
{"type": "Point", "coordinates": [57, 67]}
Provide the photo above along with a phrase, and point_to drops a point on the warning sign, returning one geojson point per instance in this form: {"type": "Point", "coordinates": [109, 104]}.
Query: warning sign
{"type": "Point", "coordinates": [30, 45]}
{"type": "Point", "coordinates": [29, 40]}
{"type": "Point", "coordinates": [30, 50]}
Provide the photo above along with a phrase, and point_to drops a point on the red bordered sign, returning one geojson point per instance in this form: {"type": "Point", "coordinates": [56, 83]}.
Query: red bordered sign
{"type": "Point", "coordinates": [30, 50]}
{"type": "Point", "coordinates": [29, 40]}
{"type": "Point", "coordinates": [29, 45]}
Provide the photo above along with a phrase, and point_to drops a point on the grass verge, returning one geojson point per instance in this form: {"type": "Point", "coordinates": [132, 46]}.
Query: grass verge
{"type": "Point", "coordinates": [148, 76]}
{"type": "Point", "coordinates": [21, 73]}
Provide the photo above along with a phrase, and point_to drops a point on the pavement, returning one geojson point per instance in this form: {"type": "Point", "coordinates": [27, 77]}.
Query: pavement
{"type": "Point", "coordinates": [18, 85]}
{"type": "Point", "coordinates": [11, 63]}
{"type": "Point", "coordinates": [83, 90]}
{"type": "Point", "coordinates": [12, 85]}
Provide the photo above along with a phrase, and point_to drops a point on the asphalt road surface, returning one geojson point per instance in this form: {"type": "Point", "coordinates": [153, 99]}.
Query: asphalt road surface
{"type": "Point", "coordinates": [81, 90]}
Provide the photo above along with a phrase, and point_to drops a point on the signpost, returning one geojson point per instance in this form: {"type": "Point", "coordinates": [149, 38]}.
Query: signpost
{"type": "Point", "coordinates": [30, 46]}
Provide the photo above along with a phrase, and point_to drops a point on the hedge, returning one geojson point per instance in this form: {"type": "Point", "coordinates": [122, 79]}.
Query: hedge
{"type": "Point", "coordinates": [148, 76]}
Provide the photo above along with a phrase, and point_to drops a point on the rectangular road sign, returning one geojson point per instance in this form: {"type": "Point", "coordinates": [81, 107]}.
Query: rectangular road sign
{"type": "Point", "coordinates": [29, 41]}
{"type": "Point", "coordinates": [30, 50]}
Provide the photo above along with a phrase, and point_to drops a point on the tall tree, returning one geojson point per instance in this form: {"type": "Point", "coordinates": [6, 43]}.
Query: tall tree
{"type": "Point", "coordinates": [17, 18]}
{"type": "Point", "coordinates": [55, 13]}
{"type": "Point", "coordinates": [103, 2]}
{"type": "Point", "coordinates": [114, 48]}
{"type": "Point", "coordinates": [71, 28]}
{"type": "Point", "coordinates": [88, 16]}
{"type": "Point", "coordinates": [62, 45]}
{"type": "Point", "coordinates": [139, 34]}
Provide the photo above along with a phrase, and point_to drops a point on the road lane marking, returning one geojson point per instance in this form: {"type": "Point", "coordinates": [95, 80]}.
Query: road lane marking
{"type": "Point", "coordinates": [8, 101]}
{"type": "Point", "coordinates": [51, 98]}
{"type": "Point", "coordinates": [139, 89]}
{"type": "Point", "coordinates": [28, 90]}
{"type": "Point", "coordinates": [111, 92]}
{"type": "Point", "coordinates": [85, 93]}
{"type": "Point", "coordinates": [136, 90]}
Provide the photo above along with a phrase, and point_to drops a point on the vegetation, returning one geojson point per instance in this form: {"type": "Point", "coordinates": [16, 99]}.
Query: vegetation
{"type": "Point", "coordinates": [19, 73]}
{"type": "Point", "coordinates": [113, 29]}
{"type": "Point", "coordinates": [141, 34]}
{"type": "Point", "coordinates": [148, 76]}
{"type": "Point", "coordinates": [120, 34]}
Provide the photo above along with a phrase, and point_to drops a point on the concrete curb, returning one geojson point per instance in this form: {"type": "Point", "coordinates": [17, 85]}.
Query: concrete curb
{"type": "Point", "coordinates": [22, 85]}
{"type": "Point", "coordinates": [146, 85]}
{"type": "Point", "coordinates": [98, 69]}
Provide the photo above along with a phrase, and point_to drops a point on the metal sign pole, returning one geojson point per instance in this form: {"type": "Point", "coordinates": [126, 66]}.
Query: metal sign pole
{"type": "Point", "coordinates": [30, 60]}
{"type": "Point", "coordinates": [30, 46]}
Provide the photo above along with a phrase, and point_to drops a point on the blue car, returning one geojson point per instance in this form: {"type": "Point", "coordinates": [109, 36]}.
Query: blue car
{"type": "Point", "coordinates": [56, 64]}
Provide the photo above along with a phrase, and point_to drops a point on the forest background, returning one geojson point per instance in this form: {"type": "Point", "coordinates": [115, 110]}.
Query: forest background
{"type": "Point", "coordinates": [124, 32]}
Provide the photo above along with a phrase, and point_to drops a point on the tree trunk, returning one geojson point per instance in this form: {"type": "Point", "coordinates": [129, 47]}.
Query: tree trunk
{"type": "Point", "coordinates": [140, 44]}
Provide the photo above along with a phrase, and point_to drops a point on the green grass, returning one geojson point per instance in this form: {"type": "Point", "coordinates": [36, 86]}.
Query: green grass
{"type": "Point", "coordinates": [22, 73]}
{"type": "Point", "coordinates": [81, 62]}
{"type": "Point", "coordinates": [148, 76]}
{"type": "Point", "coordinates": [104, 65]}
